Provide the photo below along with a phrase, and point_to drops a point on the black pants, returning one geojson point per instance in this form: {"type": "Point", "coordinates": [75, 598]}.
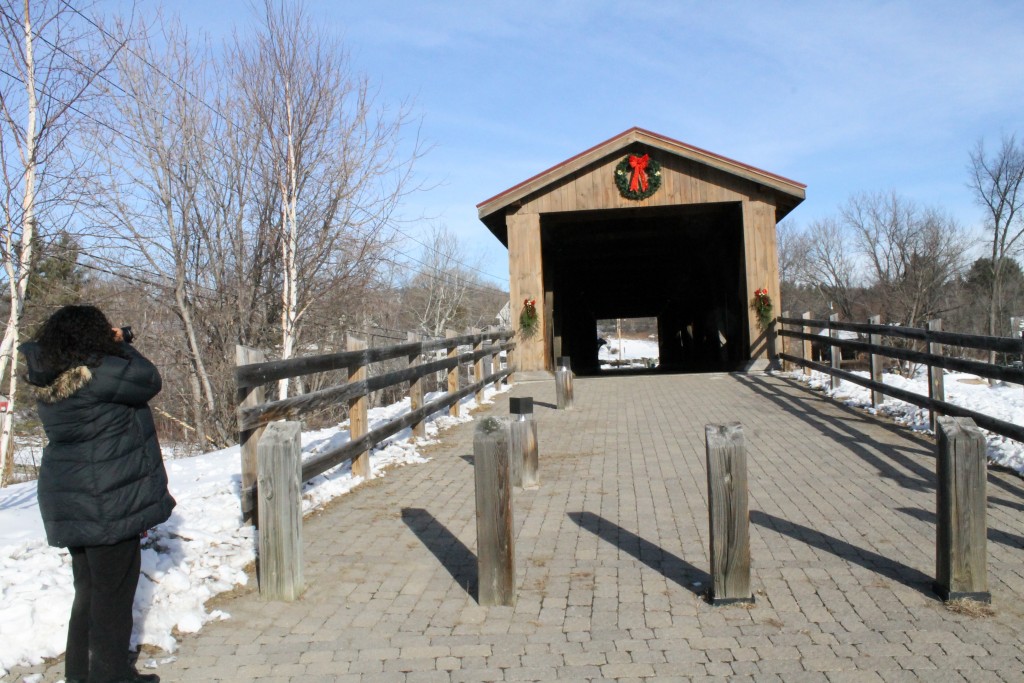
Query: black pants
{"type": "Point", "coordinates": [100, 632]}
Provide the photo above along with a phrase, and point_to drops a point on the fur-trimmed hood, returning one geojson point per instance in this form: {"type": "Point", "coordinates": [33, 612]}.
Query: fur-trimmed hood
{"type": "Point", "coordinates": [48, 385]}
{"type": "Point", "coordinates": [67, 384]}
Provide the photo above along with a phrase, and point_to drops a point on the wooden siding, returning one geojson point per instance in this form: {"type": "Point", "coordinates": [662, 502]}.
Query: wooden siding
{"type": "Point", "coordinates": [526, 281]}
{"type": "Point", "coordinates": [762, 264]}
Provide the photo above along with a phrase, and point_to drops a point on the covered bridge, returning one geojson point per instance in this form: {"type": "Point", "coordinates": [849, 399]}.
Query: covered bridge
{"type": "Point", "coordinates": [643, 226]}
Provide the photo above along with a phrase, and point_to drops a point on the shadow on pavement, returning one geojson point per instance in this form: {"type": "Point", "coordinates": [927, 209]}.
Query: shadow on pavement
{"type": "Point", "coordinates": [668, 565]}
{"type": "Point", "coordinates": [895, 570]}
{"type": "Point", "coordinates": [994, 535]}
{"type": "Point", "coordinates": [885, 457]}
{"type": "Point", "coordinates": [447, 548]}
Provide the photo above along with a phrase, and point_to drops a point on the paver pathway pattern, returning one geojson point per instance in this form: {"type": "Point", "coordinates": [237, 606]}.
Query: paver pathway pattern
{"type": "Point", "coordinates": [612, 557]}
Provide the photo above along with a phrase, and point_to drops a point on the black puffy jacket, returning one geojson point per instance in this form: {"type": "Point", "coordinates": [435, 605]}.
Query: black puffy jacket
{"type": "Point", "coordinates": [102, 478]}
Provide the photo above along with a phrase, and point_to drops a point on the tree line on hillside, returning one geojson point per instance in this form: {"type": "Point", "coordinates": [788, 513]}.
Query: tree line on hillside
{"type": "Point", "coordinates": [210, 196]}
{"type": "Point", "coordinates": [883, 254]}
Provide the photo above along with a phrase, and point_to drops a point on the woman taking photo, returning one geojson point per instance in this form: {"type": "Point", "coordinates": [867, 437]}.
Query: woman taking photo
{"type": "Point", "coordinates": [102, 482]}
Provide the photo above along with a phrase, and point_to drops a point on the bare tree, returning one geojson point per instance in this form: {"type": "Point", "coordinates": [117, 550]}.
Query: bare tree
{"type": "Point", "coordinates": [333, 155]}
{"type": "Point", "coordinates": [46, 83]}
{"type": "Point", "coordinates": [998, 185]}
{"type": "Point", "coordinates": [157, 201]}
{"type": "Point", "coordinates": [914, 255]}
{"type": "Point", "coordinates": [437, 291]}
{"type": "Point", "coordinates": [830, 266]}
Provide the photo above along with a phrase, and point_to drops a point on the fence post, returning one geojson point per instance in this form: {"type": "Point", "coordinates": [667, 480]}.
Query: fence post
{"type": "Point", "coordinates": [488, 360]}
{"type": "Point", "coordinates": [249, 439]}
{"type": "Point", "coordinates": [563, 384]}
{"type": "Point", "coordinates": [496, 562]}
{"type": "Point", "coordinates": [836, 353]}
{"type": "Point", "coordinates": [524, 443]}
{"type": "Point", "coordinates": [453, 373]}
{"type": "Point", "coordinates": [875, 361]}
{"type": "Point", "coordinates": [419, 429]}
{"type": "Point", "coordinates": [280, 512]}
{"type": "Point", "coordinates": [936, 384]}
{"type": "Point", "coordinates": [961, 533]}
{"type": "Point", "coordinates": [805, 344]}
{"type": "Point", "coordinates": [478, 365]}
{"type": "Point", "coordinates": [492, 333]}
{"type": "Point", "coordinates": [786, 344]}
{"type": "Point", "coordinates": [728, 514]}
{"type": "Point", "coordinates": [357, 410]}
{"type": "Point", "coordinates": [510, 359]}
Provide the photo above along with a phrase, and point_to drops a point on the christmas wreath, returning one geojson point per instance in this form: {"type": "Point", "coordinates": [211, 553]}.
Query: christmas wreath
{"type": "Point", "coordinates": [762, 307]}
{"type": "Point", "coordinates": [638, 176]}
{"type": "Point", "coordinates": [528, 320]}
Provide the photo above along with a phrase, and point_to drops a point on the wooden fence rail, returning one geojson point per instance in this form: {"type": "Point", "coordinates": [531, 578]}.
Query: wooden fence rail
{"type": "Point", "coordinates": [253, 413]}
{"type": "Point", "coordinates": [931, 339]}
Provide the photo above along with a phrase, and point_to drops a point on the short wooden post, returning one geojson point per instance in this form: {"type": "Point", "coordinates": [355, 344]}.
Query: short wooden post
{"type": "Point", "coordinates": [563, 384]}
{"type": "Point", "coordinates": [936, 383]}
{"type": "Point", "coordinates": [805, 344]}
{"type": "Point", "coordinates": [478, 365]}
{"type": "Point", "coordinates": [249, 439]}
{"type": "Point", "coordinates": [495, 351]}
{"type": "Point", "coordinates": [453, 373]}
{"type": "Point", "coordinates": [786, 344]}
{"type": "Point", "coordinates": [280, 512]}
{"type": "Point", "coordinates": [419, 429]}
{"type": "Point", "coordinates": [524, 443]}
{"type": "Point", "coordinates": [358, 422]}
{"type": "Point", "coordinates": [496, 562]}
{"type": "Point", "coordinates": [835, 352]}
{"type": "Point", "coordinates": [875, 361]}
{"type": "Point", "coordinates": [728, 514]}
{"type": "Point", "coordinates": [961, 531]}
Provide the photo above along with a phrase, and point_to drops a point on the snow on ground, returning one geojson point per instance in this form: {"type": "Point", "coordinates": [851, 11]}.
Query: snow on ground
{"type": "Point", "coordinates": [1002, 401]}
{"type": "Point", "coordinates": [202, 550]}
{"type": "Point", "coordinates": [632, 350]}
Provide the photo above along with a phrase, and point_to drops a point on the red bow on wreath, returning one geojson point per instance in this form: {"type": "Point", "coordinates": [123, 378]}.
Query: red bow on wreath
{"type": "Point", "coordinates": [639, 166]}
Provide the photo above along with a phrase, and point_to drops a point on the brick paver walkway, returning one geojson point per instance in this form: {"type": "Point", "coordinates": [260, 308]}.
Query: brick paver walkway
{"type": "Point", "coordinates": [612, 557]}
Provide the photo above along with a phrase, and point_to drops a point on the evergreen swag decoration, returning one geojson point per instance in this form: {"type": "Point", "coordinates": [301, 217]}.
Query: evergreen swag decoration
{"type": "Point", "coordinates": [638, 176]}
{"type": "Point", "coordinates": [761, 304]}
{"type": "Point", "coordinates": [528, 318]}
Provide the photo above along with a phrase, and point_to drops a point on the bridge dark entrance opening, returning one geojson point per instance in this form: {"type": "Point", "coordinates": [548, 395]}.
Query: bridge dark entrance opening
{"type": "Point", "coordinates": [681, 264]}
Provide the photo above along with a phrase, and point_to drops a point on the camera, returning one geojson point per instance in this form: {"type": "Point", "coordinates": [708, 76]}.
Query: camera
{"type": "Point", "coordinates": [127, 335]}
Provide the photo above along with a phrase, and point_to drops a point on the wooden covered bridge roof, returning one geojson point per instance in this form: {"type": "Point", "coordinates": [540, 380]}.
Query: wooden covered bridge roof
{"type": "Point", "coordinates": [788, 193]}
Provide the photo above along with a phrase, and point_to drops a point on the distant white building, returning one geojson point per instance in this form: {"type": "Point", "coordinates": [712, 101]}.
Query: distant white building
{"type": "Point", "coordinates": [504, 317]}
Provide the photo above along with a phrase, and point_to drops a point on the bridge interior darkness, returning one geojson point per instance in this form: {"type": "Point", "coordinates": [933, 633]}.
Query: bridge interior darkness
{"type": "Point", "coordinates": [681, 264]}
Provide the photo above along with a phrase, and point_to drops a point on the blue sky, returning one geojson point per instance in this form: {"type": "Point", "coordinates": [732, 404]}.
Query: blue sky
{"type": "Point", "coordinates": [844, 97]}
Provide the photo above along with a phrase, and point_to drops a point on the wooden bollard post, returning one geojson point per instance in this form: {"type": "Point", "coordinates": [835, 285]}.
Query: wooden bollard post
{"type": "Point", "coordinates": [280, 511]}
{"type": "Point", "coordinates": [961, 531]}
{"type": "Point", "coordinates": [496, 561]}
{"type": "Point", "coordinates": [728, 514]}
{"type": "Point", "coordinates": [563, 384]}
{"type": "Point", "coordinates": [524, 443]}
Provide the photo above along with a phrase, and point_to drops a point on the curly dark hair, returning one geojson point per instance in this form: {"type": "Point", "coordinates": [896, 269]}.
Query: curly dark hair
{"type": "Point", "coordinates": [77, 335]}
